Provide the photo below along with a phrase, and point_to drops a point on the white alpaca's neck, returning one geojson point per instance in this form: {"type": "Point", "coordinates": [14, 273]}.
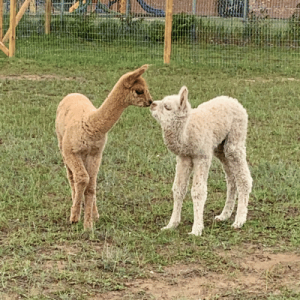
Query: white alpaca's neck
{"type": "Point", "coordinates": [175, 135]}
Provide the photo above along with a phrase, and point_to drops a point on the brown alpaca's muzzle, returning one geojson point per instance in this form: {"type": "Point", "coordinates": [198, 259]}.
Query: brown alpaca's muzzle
{"type": "Point", "coordinates": [150, 101]}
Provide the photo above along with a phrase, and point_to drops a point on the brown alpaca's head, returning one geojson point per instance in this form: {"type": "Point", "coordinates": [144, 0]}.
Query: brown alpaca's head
{"type": "Point", "coordinates": [136, 87]}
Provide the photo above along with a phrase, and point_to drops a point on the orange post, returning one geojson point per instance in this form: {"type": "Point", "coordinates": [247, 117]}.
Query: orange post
{"type": "Point", "coordinates": [1, 20]}
{"type": "Point", "coordinates": [168, 31]}
{"type": "Point", "coordinates": [12, 25]}
{"type": "Point", "coordinates": [48, 16]}
{"type": "Point", "coordinates": [18, 18]}
{"type": "Point", "coordinates": [122, 6]}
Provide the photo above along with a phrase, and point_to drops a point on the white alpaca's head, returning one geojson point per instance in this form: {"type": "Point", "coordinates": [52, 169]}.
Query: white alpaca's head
{"type": "Point", "coordinates": [171, 108]}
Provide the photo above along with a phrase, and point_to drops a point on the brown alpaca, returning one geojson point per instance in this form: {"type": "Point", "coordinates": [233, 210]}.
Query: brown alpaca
{"type": "Point", "coordinates": [82, 133]}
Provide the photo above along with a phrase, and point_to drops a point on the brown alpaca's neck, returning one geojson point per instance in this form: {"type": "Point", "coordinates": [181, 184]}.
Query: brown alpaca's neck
{"type": "Point", "coordinates": [105, 117]}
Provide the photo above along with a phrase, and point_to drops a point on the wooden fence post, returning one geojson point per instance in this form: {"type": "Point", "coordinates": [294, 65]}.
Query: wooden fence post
{"type": "Point", "coordinates": [48, 16]}
{"type": "Point", "coordinates": [122, 5]}
{"type": "Point", "coordinates": [1, 20]}
{"type": "Point", "coordinates": [168, 31]}
{"type": "Point", "coordinates": [18, 18]}
{"type": "Point", "coordinates": [12, 26]}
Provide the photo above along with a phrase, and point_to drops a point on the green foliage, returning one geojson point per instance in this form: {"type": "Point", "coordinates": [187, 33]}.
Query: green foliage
{"type": "Point", "coordinates": [156, 31]}
{"type": "Point", "coordinates": [183, 27]}
{"type": "Point", "coordinates": [257, 28]}
{"type": "Point", "coordinates": [294, 26]}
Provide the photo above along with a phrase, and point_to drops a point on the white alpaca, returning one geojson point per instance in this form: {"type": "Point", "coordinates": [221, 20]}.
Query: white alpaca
{"type": "Point", "coordinates": [217, 127]}
{"type": "Point", "coordinates": [82, 133]}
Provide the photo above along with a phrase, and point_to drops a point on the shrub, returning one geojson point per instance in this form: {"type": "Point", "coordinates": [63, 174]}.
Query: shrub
{"type": "Point", "coordinates": [156, 31]}
{"type": "Point", "coordinates": [108, 30]}
{"type": "Point", "coordinates": [257, 28]}
{"type": "Point", "coordinates": [183, 27]}
{"type": "Point", "coordinates": [294, 26]}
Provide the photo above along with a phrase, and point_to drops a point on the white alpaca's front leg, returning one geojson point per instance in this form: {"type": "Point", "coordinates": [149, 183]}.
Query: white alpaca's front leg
{"type": "Point", "coordinates": [199, 193]}
{"type": "Point", "coordinates": [183, 171]}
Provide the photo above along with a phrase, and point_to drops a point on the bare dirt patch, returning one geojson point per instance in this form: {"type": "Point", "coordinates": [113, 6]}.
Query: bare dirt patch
{"type": "Point", "coordinates": [263, 80]}
{"type": "Point", "coordinates": [255, 273]}
{"type": "Point", "coordinates": [37, 77]}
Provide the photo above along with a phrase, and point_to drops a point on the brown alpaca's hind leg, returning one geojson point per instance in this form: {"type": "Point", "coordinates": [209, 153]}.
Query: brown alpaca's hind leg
{"type": "Point", "coordinates": [71, 181]}
{"type": "Point", "coordinates": [81, 180]}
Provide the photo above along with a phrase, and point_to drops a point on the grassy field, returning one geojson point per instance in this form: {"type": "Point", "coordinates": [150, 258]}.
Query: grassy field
{"type": "Point", "coordinates": [128, 256]}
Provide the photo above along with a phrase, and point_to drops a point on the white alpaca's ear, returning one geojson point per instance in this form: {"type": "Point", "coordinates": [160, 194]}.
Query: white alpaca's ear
{"type": "Point", "coordinates": [133, 76]}
{"type": "Point", "coordinates": [183, 97]}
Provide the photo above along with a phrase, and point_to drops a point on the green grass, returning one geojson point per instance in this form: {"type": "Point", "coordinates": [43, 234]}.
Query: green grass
{"type": "Point", "coordinates": [44, 257]}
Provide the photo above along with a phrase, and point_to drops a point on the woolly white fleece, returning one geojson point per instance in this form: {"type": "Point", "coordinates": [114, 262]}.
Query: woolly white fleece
{"type": "Point", "coordinates": [217, 127]}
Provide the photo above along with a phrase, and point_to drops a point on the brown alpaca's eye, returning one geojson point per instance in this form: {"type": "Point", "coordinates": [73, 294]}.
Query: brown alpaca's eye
{"type": "Point", "coordinates": [139, 92]}
{"type": "Point", "coordinates": [167, 107]}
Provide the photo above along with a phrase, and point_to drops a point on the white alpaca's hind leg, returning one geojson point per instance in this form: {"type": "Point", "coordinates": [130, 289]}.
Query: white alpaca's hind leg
{"type": "Point", "coordinates": [231, 191]}
{"type": "Point", "coordinates": [199, 192]}
{"type": "Point", "coordinates": [183, 171]}
{"type": "Point", "coordinates": [244, 185]}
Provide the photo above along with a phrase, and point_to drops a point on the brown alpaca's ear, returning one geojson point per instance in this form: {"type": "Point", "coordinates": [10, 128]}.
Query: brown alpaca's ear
{"type": "Point", "coordinates": [183, 97]}
{"type": "Point", "coordinates": [133, 76]}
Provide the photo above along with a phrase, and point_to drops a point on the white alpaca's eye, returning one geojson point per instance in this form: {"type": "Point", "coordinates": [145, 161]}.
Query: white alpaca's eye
{"type": "Point", "coordinates": [167, 107]}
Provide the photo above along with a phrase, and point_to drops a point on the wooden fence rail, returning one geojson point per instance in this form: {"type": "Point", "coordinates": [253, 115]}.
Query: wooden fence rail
{"type": "Point", "coordinates": [15, 19]}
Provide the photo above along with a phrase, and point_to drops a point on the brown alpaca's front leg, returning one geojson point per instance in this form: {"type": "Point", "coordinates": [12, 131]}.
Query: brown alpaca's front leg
{"type": "Point", "coordinates": [90, 206]}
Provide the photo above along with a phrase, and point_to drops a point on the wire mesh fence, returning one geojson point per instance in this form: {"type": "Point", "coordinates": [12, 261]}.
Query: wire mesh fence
{"type": "Point", "coordinates": [211, 31]}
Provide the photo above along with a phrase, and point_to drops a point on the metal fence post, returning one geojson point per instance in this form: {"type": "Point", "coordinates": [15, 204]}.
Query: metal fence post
{"type": "Point", "coordinates": [193, 32]}
{"type": "Point", "coordinates": [194, 6]}
{"type": "Point", "coordinates": [62, 4]}
{"type": "Point", "coordinates": [245, 17]}
{"type": "Point", "coordinates": [128, 8]}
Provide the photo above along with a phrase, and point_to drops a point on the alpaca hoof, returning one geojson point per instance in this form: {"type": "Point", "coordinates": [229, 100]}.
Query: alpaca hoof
{"type": "Point", "coordinates": [197, 233]}
{"type": "Point", "coordinates": [88, 226]}
{"type": "Point", "coordinates": [237, 225]}
{"type": "Point", "coordinates": [74, 219]}
{"type": "Point", "coordinates": [170, 226]}
{"type": "Point", "coordinates": [165, 228]}
{"type": "Point", "coordinates": [219, 218]}
{"type": "Point", "coordinates": [196, 230]}
{"type": "Point", "coordinates": [96, 217]}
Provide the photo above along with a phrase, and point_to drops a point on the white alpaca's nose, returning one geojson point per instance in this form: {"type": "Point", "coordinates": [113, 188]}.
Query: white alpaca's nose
{"type": "Point", "coordinates": [153, 105]}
